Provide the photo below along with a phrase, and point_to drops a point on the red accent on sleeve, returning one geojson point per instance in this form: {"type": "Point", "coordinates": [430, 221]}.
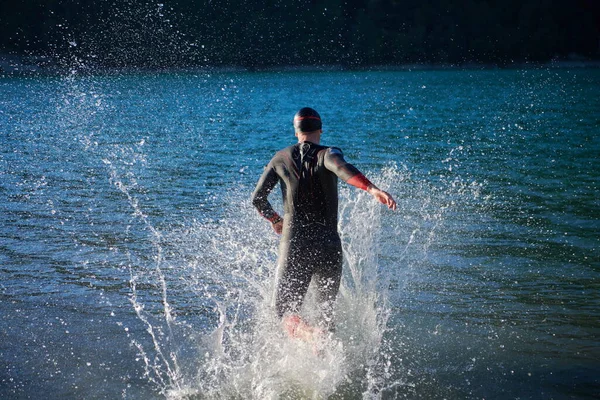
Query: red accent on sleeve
{"type": "Point", "coordinates": [360, 181]}
{"type": "Point", "coordinates": [275, 217]}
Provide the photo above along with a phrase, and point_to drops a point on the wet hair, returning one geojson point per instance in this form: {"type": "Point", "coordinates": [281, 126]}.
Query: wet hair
{"type": "Point", "coordinates": [307, 120]}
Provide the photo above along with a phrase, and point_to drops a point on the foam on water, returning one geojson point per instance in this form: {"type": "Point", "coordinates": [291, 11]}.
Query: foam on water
{"type": "Point", "coordinates": [238, 348]}
{"type": "Point", "coordinates": [222, 340]}
{"type": "Point", "coordinates": [205, 293]}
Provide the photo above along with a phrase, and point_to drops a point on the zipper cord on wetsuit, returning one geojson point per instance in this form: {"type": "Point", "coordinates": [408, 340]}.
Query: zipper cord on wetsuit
{"type": "Point", "coordinates": [303, 148]}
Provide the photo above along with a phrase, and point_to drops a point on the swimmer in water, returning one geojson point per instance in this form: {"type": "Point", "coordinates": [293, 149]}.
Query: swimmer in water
{"type": "Point", "coordinates": [310, 246]}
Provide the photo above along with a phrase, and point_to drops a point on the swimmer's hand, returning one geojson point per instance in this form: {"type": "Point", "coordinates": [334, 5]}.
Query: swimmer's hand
{"type": "Point", "coordinates": [382, 197]}
{"type": "Point", "coordinates": [278, 226]}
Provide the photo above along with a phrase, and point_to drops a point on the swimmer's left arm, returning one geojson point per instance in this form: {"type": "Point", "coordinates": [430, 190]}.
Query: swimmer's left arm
{"type": "Point", "coordinates": [265, 185]}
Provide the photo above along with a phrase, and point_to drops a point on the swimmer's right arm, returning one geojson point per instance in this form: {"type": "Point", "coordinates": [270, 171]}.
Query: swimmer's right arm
{"type": "Point", "coordinates": [334, 161]}
{"type": "Point", "coordinates": [381, 196]}
{"type": "Point", "coordinates": [360, 181]}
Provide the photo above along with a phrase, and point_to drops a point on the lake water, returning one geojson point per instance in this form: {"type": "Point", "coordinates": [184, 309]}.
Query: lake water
{"type": "Point", "coordinates": [132, 264]}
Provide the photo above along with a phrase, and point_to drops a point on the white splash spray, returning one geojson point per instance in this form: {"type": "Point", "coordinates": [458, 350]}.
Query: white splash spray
{"type": "Point", "coordinates": [239, 350]}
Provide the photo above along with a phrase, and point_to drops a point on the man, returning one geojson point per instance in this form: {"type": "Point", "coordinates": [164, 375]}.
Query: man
{"type": "Point", "coordinates": [310, 246]}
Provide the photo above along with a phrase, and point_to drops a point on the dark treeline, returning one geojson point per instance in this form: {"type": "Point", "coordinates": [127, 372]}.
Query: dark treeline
{"type": "Point", "coordinates": [257, 34]}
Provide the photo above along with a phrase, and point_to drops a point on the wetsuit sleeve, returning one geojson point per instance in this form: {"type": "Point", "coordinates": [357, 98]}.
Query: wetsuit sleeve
{"type": "Point", "coordinates": [265, 184]}
{"type": "Point", "coordinates": [334, 161]}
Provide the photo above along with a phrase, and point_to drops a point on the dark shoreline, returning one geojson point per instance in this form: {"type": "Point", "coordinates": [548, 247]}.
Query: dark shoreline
{"type": "Point", "coordinates": [27, 66]}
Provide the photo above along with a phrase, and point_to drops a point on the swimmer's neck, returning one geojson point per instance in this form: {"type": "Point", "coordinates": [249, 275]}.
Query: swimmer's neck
{"type": "Point", "coordinates": [313, 137]}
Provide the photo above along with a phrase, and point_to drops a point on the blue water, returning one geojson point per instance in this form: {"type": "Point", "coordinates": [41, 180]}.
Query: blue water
{"type": "Point", "coordinates": [133, 265]}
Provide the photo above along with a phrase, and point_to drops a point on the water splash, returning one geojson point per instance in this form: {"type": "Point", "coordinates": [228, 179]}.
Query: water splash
{"type": "Point", "coordinates": [219, 338]}
{"type": "Point", "coordinates": [203, 292]}
{"type": "Point", "coordinates": [237, 346]}
{"type": "Point", "coordinates": [204, 295]}
{"type": "Point", "coordinates": [164, 370]}
{"type": "Point", "coordinates": [101, 186]}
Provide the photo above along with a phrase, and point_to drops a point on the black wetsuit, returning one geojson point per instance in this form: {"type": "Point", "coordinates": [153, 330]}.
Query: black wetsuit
{"type": "Point", "coordinates": [310, 244]}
